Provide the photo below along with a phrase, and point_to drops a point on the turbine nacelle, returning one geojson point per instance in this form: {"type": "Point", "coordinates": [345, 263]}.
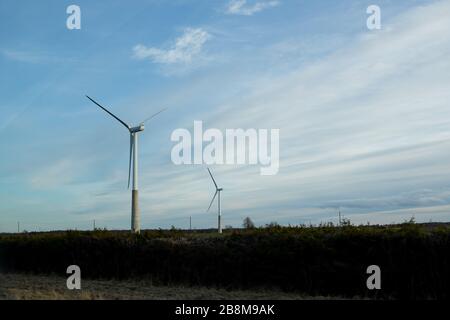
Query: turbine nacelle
{"type": "Point", "coordinates": [139, 128]}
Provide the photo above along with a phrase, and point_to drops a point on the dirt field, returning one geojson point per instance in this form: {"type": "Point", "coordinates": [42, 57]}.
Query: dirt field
{"type": "Point", "coordinates": [20, 286]}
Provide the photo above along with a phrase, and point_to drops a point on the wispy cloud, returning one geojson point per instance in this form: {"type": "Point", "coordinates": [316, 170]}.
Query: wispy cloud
{"type": "Point", "coordinates": [32, 56]}
{"type": "Point", "coordinates": [413, 199]}
{"type": "Point", "coordinates": [21, 56]}
{"type": "Point", "coordinates": [241, 7]}
{"type": "Point", "coordinates": [184, 49]}
{"type": "Point", "coordinates": [368, 124]}
{"type": "Point", "coordinates": [58, 173]}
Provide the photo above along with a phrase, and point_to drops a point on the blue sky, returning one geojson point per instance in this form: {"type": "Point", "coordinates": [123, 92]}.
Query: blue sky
{"type": "Point", "coordinates": [363, 115]}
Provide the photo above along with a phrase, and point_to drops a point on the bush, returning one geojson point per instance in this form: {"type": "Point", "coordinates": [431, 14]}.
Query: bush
{"type": "Point", "coordinates": [326, 260]}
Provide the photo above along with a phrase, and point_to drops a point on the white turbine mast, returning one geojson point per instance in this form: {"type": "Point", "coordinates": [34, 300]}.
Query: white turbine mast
{"type": "Point", "coordinates": [219, 210]}
{"type": "Point", "coordinates": [133, 163]}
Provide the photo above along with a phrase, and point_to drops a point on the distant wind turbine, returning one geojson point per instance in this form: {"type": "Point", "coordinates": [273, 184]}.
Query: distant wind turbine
{"type": "Point", "coordinates": [135, 214]}
{"type": "Point", "coordinates": [218, 191]}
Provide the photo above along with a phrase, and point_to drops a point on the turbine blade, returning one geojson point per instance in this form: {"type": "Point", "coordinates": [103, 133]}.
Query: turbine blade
{"type": "Point", "coordinates": [213, 179]}
{"type": "Point", "coordinates": [110, 113]}
{"type": "Point", "coordinates": [154, 115]}
{"type": "Point", "coordinates": [215, 194]}
{"type": "Point", "coordinates": [131, 155]}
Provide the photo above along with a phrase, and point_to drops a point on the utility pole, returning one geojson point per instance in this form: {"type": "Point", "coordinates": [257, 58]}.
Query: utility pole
{"type": "Point", "coordinates": [18, 227]}
{"type": "Point", "coordinates": [94, 224]}
{"type": "Point", "coordinates": [190, 223]}
{"type": "Point", "coordinates": [340, 222]}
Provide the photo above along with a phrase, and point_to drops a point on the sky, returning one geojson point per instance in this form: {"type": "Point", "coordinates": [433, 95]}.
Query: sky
{"type": "Point", "coordinates": [364, 115]}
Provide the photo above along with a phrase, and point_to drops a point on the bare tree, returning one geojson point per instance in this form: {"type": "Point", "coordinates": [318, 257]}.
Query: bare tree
{"type": "Point", "coordinates": [248, 223]}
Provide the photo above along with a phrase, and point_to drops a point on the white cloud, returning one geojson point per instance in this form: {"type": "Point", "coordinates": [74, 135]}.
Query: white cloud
{"type": "Point", "coordinates": [185, 48]}
{"type": "Point", "coordinates": [241, 7]}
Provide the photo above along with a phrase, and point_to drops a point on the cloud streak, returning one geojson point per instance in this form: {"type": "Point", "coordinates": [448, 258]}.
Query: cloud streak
{"type": "Point", "coordinates": [371, 119]}
{"type": "Point", "coordinates": [241, 7]}
{"type": "Point", "coordinates": [184, 50]}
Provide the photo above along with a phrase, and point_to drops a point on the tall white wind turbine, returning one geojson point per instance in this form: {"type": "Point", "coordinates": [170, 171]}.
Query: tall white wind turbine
{"type": "Point", "coordinates": [133, 163]}
{"type": "Point", "coordinates": [219, 212]}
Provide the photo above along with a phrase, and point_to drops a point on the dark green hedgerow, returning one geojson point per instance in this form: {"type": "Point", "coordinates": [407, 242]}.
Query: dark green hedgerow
{"type": "Point", "coordinates": [414, 261]}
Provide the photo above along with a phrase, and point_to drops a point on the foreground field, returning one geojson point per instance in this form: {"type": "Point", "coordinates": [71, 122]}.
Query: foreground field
{"type": "Point", "coordinates": [21, 286]}
{"type": "Point", "coordinates": [312, 261]}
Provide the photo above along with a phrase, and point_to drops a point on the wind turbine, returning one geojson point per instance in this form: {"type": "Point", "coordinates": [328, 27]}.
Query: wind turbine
{"type": "Point", "coordinates": [134, 131]}
{"type": "Point", "coordinates": [218, 191]}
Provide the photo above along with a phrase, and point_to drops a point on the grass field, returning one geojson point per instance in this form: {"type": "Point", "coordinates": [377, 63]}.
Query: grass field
{"type": "Point", "coordinates": [52, 287]}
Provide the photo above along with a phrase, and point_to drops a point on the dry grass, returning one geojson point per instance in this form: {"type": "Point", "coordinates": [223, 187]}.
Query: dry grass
{"type": "Point", "coordinates": [37, 287]}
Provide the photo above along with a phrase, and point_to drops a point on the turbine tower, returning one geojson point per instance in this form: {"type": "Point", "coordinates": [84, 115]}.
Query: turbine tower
{"type": "Point", "coordinates": [219, 212]}
{"type": "Point", "coordinates": [133, 163]}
